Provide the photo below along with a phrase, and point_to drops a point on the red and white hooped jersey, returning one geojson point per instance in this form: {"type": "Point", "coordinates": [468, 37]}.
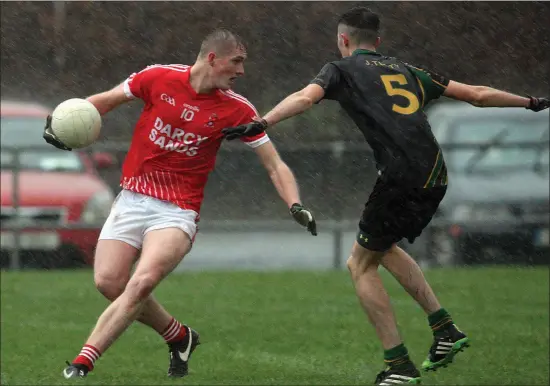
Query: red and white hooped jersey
{"type": "Point", "coordinates": [177, 136]}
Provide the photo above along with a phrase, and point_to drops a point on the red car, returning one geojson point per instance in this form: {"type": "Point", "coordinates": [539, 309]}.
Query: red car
{"type": "Point", "coordinates": [56, 190]}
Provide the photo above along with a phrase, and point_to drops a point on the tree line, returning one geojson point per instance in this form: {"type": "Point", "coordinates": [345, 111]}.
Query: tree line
{"type": "Point", "coordinates": [50, 54]}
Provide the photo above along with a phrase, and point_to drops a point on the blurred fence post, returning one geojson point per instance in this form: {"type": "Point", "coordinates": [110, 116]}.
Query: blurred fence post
{"type": "Point", "coordinates": [59, 25]}
{"type": "Point", "coordinates": [15, 252]}
{"type": "Point", "coordinates": [337, 148]}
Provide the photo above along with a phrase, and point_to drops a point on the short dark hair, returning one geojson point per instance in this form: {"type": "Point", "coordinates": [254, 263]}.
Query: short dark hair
{"type": "Point", "coordinates": [362, 23]}
{"type": "Point", "coordinates": [221, 41]}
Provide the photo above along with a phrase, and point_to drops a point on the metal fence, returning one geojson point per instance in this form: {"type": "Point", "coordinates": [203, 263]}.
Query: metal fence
{"type": "Point", "coordinates": [239, 194]}
{"type": "Point", "coordinates": [335, 180]}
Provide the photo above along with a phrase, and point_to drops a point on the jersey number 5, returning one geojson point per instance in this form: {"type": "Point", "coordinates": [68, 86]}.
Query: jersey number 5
{"type": "Point", "coordinates": [400, 79]}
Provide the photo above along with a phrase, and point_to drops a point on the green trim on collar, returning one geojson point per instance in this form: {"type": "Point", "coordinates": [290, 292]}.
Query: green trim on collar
{"type": "Point", "coordinates": [364, 51]}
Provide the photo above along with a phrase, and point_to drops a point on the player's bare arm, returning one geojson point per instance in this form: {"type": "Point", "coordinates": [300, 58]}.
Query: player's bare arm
{"type": "Point", "coordinates": [295, 104]}
{"type": "Point", "coordinates": [110, 99]}
{"type": "Point", "coordinates": [103, 102]}
{"type": "Point", "coordinates": [292, 105]}
{"type": "Point", "coordinates": [279, 172]}
{"type": "Point", "coordinates": [284, 181]}
{"type": "Point", "coordinates": [483, 96]}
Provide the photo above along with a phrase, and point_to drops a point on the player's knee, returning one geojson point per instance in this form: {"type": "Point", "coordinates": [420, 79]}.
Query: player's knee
{"type": "Point", "coordinates": [141, 286]}
{"type": "Point", "coordinates": [350, 263]}
{"type": "Point", "coordinates": [361, 263]}
{"type": "Point", "coordinates": [109, 287]}
{"type": "Point", "coordinates": [355, 266]}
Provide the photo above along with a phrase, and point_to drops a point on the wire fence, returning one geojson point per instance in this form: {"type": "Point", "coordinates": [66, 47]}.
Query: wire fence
{"type": "Point", "coordinates": [335, 180]}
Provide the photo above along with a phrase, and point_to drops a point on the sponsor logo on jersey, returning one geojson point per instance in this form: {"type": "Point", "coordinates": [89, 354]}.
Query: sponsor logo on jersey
{"type": "Point", "coordinates": [167, 98]}
{"type": "Point", "coordinates": [189, 107]}
{"type": "Point", "coordinates": [211, 120]}
{"type": "Point", "coordinates": [176, 139]}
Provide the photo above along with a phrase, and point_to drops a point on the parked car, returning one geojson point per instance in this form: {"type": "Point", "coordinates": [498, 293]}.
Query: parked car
{"type": "Point", "coordinates": [56, 189]}
{"type": "Point", "coordinates": [497, 206]}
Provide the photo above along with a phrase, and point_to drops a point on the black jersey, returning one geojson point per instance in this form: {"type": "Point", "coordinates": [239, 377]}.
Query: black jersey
{"type": "Point", "coordinates": [385, 98]}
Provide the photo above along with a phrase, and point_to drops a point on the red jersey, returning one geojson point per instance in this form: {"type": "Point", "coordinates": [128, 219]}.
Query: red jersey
{"type": "Point", "coordinates": [177, 136]}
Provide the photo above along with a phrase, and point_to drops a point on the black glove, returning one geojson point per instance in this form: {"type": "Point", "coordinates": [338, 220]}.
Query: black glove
{"type": "Point", "coordinates": [51, 138]}
{"type": "Point", "coordinates": [249, 130]}
{"type": "Point", "coordinates": [538, 104]}
{"type": "Point", "coordinates": [304, 217]}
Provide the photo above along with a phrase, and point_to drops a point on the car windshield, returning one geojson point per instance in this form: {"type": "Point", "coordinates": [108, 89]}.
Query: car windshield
{"type": "Point", "coordinates": [519, 145]}
{"type": "Point", "coordinates": [22, 132]}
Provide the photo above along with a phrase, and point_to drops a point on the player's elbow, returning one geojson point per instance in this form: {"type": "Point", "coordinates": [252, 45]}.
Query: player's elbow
{"type": "Point", "coordinates": [479, 96]}
{"type": "Point", "coordinates": [474, 95]}
{"type": "Point", "coordinates": [303, 99]}
{"type": "Point", "coordinates": [308, 102]}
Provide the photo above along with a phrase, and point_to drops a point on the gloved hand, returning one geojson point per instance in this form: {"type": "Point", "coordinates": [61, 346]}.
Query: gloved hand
{"type": "Point", "coordinates": [248, 130]}
{"type": "Point", "coordinates": [538, 104]}
{"type": "Point", "coordinates": [304, 217]}
{"type": "Point", "coordinates": [51, 138]}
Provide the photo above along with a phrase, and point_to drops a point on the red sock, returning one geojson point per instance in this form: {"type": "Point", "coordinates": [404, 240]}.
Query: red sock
{"type": "Point", "coordinates": [174, 332]}
{"type": "Point", "coordinates": [87, 357]}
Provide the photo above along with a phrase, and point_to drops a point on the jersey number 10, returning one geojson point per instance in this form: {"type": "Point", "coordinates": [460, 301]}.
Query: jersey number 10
{"type": "Point", "coordinates": [187, 115]}
{"type": "Point", "coordinates": [391, 90]}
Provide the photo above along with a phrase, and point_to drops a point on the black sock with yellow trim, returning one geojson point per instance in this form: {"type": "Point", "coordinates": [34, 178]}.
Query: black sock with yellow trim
{"type": "Point", "coordinates": [440, 320]}
{"type": "Point", "coordinates": [397, 357]}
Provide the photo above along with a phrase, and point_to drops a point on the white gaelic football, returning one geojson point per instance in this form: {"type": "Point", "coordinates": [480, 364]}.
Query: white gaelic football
{"type": "Point", "coordinates": [76, 122]}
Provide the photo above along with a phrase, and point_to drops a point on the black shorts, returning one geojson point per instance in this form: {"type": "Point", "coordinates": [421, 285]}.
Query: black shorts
{"type": "Point", "coordinates": [395, 212]}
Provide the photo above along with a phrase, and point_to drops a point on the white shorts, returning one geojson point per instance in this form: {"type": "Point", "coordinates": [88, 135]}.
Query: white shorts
{"type": "Point", "coordinates": [134, 214]}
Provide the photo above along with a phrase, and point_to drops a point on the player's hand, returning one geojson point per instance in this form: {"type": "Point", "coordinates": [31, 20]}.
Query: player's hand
{"type": "Point", "coordinates": [304, 217]}
{"type": "Point", "coordinates": [249, 130]}
{"type": "Point", "coordinates": [51, 138]}
{"type": "Point", "coordinates": [538, 104]}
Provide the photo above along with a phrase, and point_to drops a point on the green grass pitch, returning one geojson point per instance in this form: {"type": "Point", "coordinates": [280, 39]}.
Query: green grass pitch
{"type": "Point", "coordinates": [277, 328]}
